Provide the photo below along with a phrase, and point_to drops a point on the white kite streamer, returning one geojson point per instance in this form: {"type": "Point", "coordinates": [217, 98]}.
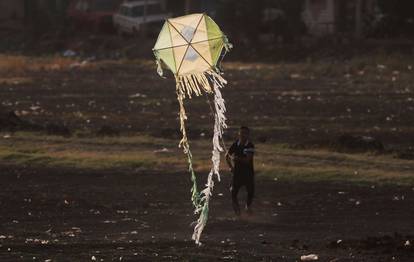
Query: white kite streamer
{"type": "Point", "coordinates": [219, 126]}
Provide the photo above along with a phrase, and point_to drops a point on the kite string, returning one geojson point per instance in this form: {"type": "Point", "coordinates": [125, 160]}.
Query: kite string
{"type": "Point", "coordinates": [195, 196]}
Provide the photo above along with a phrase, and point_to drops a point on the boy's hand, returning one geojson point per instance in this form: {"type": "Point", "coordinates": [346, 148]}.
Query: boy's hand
{"type": "Point", "coordinates": [230, 159]}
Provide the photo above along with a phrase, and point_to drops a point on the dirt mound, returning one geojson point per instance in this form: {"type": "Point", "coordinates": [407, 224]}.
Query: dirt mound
{"type": "Point", "coordinates": [57, 129]}
{"type": "Point", "coordinates": [386, 244]}
{"type": "Point", "coordinates": [107, 131]}
{"type": "Point", "coordinates": [12, 123]}
{"type": "Point", "coordinates": [407, 154]}
{"type": "Point", "coordinates": [357, 144]}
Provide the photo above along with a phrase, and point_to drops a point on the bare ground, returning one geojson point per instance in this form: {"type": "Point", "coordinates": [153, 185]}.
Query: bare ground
{"type": "Point", "coordinates": [72, 215]}
{"type": "Point", "coordinates": [80, 213]}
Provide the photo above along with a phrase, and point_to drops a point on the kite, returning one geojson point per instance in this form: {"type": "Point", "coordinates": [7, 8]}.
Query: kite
{"type": "Point", "coordinates": [192, 47]}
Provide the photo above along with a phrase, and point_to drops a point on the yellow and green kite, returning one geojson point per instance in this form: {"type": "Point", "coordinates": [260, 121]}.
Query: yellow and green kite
{"type": "Point", "coordinates": [191, 47]}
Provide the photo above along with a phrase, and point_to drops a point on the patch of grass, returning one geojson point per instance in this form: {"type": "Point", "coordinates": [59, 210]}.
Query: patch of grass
{"type": "Point", "coordinates": [91, 153]}
{"type": "Point", "coordinates": [26, 158]}
{"type": "Point", "coordinates": [15, 157]}
{"type": "Point", "coordinates": [306, 174]}
{"type": "Point", "coordinates": [143, 152]}
{"type": "Point", "coordinates": [371, 67]}
{"type": "Point", "coordinates": [16, 65]}
{"type": "Point", "coordinates": [15, 80]}
{"type": "Point", "coordinates": [87, 160]}
{"type": "Point", "coordinates": [322, 165]}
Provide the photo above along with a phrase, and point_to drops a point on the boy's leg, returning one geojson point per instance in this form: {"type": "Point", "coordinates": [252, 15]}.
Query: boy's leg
{"type": "Point", "coordinates": [250, 193]}
{"type": "Point", "coordinates": [235, 187]}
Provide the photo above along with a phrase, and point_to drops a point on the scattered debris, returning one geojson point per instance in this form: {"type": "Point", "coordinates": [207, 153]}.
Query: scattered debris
{"type": "Point", "coordinates": [138, 95]}
{"type": "Point", "coordinates": [163, 150]}
{"type": "Point", "coordinates": [69, 53]}
{"type": "Point", "coordinates": [79, 65]}
{"type": "Point", "coordinates": [310, 257]}
{"type": "Point", "coordinates": [381, 67]}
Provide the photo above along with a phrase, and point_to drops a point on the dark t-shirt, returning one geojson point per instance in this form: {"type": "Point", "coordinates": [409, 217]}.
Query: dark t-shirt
{"type": "Point", "coordinates": [241, 169]}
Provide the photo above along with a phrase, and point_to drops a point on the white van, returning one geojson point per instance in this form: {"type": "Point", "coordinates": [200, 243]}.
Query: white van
{"type": "Point", "coordinates": [133, 16]}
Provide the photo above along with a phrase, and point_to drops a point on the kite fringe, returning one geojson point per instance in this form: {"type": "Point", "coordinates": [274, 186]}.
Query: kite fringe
{"type": "Point", "coordinates": [187, 86]}
{"type": "Point", "coordinates": [194, 84]}
{"type": "Point", "coordinates": [195, 195]}
{"type": "Point", "coordinates": [159, 68]}
{"type": "Point", "coordinates": [219, 126]}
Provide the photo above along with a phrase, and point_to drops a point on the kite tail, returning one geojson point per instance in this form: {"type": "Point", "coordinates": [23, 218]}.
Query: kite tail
{"type": "Point", "coordinates": [219, 126]}
{"type": "Point", "coordinates": [188, 85]}
{"type": "Point", "coordinates": [194, 84]}
{"type": "Point", "coordinates": [195, 195]}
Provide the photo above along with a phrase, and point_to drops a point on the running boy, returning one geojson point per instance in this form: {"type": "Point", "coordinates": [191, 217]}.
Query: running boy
{"type": "Point", "coordinates": [240, 160]}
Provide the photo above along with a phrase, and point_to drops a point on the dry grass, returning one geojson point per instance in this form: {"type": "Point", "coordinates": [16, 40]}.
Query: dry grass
{"type": "Point", "coordinates": [89, 153]}
{"type": "Point", "coordinates": [148, 153]}
{"type": "Point", "coordinates": [271, 160]}
{"type": "Point", "coordinates": [17, 65]}
{"type": "Point", "coordinates": [15, 80]}
{"type": "Point", "coordinates": [284, 163]}
{"type": "Point", "coordinates": [374, 67]}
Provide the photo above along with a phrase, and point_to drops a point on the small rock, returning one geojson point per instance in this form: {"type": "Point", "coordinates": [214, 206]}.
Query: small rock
{"type": "Point", "coordinates": [310, 257]}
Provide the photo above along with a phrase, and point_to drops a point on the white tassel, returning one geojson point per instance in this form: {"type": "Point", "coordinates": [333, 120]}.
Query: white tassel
{"type": "Point", "coordinates": [159, 69]}
{"type": "Point", "coordinates": [219, 126]}
{"type": "Point", "coordinates": [188, 85]}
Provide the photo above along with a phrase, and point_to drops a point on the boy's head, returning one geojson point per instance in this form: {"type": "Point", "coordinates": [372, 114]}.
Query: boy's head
{"type": "Point", "coordinates": [244, 133]}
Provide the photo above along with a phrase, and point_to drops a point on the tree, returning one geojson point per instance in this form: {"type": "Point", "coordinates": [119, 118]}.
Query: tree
{"type": "Point", "coordinates": [246, 20]}
{"type": "Point", "coordinates": [397, 18]}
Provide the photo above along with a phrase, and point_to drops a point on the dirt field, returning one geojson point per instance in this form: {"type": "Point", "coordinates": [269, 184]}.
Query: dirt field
{"type": "Point", "coordinates": [284, 103]}
{"type": "Point", "coordinates": [68, 215]}
{"type": "Point", "coordinates": [87, 198]}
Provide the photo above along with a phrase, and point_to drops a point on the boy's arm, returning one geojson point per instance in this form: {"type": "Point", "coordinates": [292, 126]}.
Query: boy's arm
{"type": "Point", "coordinates": [248, 158]}
{"type": "Point", "coordinates": [229, 158]}
{"type": "Point", "coordinates": [229, 161]}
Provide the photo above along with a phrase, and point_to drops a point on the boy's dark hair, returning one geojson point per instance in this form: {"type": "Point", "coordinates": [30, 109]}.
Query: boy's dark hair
{"type": "Point", "coordinates": [245, 128]}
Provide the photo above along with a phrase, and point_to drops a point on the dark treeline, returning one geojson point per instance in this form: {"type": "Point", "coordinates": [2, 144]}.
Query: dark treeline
{"type": "Point", "coordinates": [246, 20]}
{"type": "Point", "coordinates": [396, 18]}
{"type": "Point", "coordinates": [249, 19]}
